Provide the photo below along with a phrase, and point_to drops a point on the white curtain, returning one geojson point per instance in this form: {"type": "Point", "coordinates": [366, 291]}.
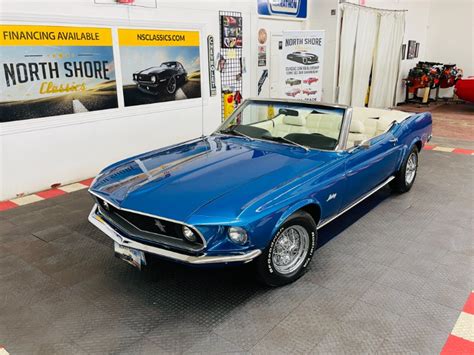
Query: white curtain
{"type": "Point", "coordinates": [367, 29]}
{"type": "Point", "coordinates": [371, 41]}
{"type": "Point", "coordinates": [346, 58]}
{"type": "Point", "coordinates": [387, 59]}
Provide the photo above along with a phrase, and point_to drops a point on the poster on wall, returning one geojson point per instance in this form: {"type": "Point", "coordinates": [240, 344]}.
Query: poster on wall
{"type": "Point", "coordinates": [159, 65]}
{"type": "Point", "coordinates": [231, 27]}
{"type": "Point", "coordinates": [302, 64]}
{"type": "Point", "coordinates": [55, 70]}
{"type": "Point", "coordinates": [296, 9]}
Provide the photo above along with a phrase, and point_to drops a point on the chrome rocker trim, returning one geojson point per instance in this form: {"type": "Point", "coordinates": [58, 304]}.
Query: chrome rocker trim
{"type": "Point", "coordinates": [189, 259]}
{"type": "Point", "coordinates": [370, 193]}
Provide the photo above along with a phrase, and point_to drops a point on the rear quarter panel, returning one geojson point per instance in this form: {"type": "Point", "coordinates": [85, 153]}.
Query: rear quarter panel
{"type": "Point", "coordinates": [414, 129]}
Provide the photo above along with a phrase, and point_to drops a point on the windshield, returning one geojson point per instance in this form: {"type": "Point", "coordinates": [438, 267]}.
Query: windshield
{"type": "Point", "coordinates": [308, 125]}
{"type": "Point", "coordinates": [168, 64]}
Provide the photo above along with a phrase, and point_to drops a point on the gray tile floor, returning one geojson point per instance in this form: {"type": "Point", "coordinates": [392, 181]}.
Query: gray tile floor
{"type": "Point", "coordinates": [391, 276]}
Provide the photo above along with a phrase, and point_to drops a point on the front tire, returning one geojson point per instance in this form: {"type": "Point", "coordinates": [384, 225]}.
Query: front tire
{"type": "Point", "coordinates": [286, 258]}
{"type": "Point", "coordinates": [405, 177]}
{"type": "Point", "coordinates": [171, 86]}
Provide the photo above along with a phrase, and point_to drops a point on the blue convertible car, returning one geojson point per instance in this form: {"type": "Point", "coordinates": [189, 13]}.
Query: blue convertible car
{"type": "Point", "coordinates": [259, 187]}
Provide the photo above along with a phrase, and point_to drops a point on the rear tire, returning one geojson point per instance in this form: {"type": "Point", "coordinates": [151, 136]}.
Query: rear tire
{"type": "Point", "coordinates": [405, 177]}
{"type": "Point", "coordinates": [286, 258]}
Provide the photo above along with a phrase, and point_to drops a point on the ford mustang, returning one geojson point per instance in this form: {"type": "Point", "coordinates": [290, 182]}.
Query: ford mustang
{"type": "Point", "coordinates": [168, 77]}
{"type": "Point", "coordinates": [259, 188]}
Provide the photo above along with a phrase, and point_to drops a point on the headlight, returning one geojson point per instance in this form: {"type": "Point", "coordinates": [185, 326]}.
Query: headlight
{"type": "Point", "coordinates": [237, 235]}
{"type": "Point", "coordinates": [153, 78]}
{"type": "Point", "coordinates": [189, 234]}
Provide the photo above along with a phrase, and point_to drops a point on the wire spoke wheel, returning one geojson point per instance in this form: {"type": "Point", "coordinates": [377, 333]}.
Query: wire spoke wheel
{"type": "Point", "coordinates": [410, 171]}
{"type": "Point", "coordinates": [290, 249]}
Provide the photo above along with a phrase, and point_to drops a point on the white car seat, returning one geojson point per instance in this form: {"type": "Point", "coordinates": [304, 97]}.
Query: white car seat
{"type": "Point", "coordinates": [377, 121]}
{"type": "Point", "coordinates": [356, 133]}
{"type": "Point", "coordinates": [289, 124]}
{"type": "Point", "coordinates": [327, 124]}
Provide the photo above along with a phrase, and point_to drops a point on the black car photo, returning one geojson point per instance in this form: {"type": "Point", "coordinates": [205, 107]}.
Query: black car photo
{"type": "Point", "coordinates": [167, 78]}
{"type": "Point", "coordinates": [303, 58]}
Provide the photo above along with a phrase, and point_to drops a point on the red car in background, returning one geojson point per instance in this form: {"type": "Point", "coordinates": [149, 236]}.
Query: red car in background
{"type": "Point", "coordinates": [465, 89]}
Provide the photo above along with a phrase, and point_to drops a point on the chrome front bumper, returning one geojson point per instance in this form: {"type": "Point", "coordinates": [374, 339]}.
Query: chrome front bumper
{"type": "Point", "coordinates": [99, 222]}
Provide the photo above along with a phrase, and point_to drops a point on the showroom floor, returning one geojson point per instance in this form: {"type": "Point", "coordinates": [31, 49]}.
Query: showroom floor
{"type": "Point", "coordinates": [392, 275]}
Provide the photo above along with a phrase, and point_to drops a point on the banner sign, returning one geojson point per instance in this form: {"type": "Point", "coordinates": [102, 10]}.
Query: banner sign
{"type": "Point", "coordinates": [159, 65]}
{"type": "Point", "coordinates": [302, 64]}
{"type": "Point", "coordinates": [55, 70]}
{"type": "Point", "coordinates": [211, 65]}
{"type": "Point", "coordinates": [297, 9]}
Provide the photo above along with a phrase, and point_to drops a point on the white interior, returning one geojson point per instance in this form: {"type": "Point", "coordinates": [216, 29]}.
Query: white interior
{"type": "Point", "coordinates": [366, 123]}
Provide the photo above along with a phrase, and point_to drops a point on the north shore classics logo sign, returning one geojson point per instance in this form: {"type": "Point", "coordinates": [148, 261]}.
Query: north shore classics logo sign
{"type": "Point", "coordinates": [55, 70]}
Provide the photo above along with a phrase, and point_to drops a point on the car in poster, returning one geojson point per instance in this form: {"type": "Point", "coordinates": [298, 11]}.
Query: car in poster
{"type": "Point", "coordinates": [303, 57]}
{"type": "Point", "coordinates": [310, 80]}
{"type": "Point", "coordinates": [260, 187]}
{"type": "Point", "coordinates": [164, 78]}
{"type": "Point", "coordinates": [309, 91]}
{"type": "Point", "coordinates": [293, 92]}
{"type": "Point", "coordinates": [292, 81]}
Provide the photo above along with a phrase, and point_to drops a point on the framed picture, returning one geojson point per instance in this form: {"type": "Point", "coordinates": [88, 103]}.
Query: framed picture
{"type": "Point", "coordinates": [411, 49]}
{"type": "Point", "coordinates": [404, 51]}
{"type": "Point", "coordinates": [417, 49]}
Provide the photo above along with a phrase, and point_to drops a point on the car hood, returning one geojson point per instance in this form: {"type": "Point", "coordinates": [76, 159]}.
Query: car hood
{"type": "Point", "coordinates": [153, 70]}
{"type": "Point", "coordinates": [179, 181]}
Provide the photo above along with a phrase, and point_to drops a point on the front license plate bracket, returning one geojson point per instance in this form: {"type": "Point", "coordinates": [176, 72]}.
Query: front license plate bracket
{"type": "Point", "coordinates": [134, 257]}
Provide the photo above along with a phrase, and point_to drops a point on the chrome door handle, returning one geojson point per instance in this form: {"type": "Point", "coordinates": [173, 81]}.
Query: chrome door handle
{"type": "Point", "coordinates": [393, 140]}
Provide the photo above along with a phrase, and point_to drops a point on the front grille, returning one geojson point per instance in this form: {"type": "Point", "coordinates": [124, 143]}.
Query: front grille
{"type": "Point", "coordinates": [149, 229]}
{"type": "Point", "coordinates": [144, 77]}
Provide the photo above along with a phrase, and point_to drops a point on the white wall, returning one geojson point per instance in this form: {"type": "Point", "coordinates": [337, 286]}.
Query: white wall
{"type": "Point", "coordinates": [451, 35]}
{"type": "Point", "coordinates": [34, 154]}
{"type": "Point", "coordinates": [321, 19]}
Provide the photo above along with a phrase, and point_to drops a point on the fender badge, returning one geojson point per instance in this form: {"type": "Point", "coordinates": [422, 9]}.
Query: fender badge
{"type": "Point", "coordinates": [331, 197]}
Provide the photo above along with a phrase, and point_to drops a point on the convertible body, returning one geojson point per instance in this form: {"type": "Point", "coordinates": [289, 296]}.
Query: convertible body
{"type": "Point", "coordinates": [211, 186]}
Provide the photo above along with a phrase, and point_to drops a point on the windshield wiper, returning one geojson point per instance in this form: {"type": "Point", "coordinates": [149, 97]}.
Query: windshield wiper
{"type": "Point", "coordinates": [234, 132]}
{"type": "Point", "coordinates": [286, 140]}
